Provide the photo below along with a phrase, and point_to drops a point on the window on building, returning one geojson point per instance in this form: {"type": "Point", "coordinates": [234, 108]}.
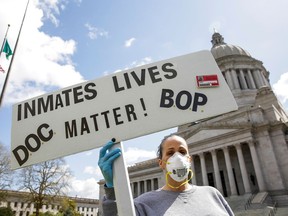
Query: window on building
{"type": "Point", "coordinates": [15, 204]}
{"type": "Point", "coordinates": [148, 185]}
{"type": "Point", "coordinates": [238, 78]}
{"type": "Point", "coordinates": [135, 188]}
{"type": "Point", "coordinates": [155, 184]}
{"type": "Point", "coordinates": [142, 187]}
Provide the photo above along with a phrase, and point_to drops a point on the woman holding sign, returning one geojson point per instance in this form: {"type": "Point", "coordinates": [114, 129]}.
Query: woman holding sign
{"type": "Point", "coordinates": [177, 196]}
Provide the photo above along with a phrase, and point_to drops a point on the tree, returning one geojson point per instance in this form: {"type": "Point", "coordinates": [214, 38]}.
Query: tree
{"type": "Point", "coordinates": [69, 208]}
{"type": "Point", "coordinates": [5, 171]}
{"type": "Point", "coordinates": [44, 214]}
{"type": "Point", "coordinates": [6, 211]}
{"type": "Point", "coordinates": [45, 181]}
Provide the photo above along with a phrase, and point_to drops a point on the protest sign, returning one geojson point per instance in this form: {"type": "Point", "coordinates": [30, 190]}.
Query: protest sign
{"type": "Point", "coordinates": [123, 105]}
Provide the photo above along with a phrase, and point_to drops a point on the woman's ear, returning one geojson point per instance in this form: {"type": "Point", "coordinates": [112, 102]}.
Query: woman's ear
{"type": "Point", "coordinates": [161, 164]}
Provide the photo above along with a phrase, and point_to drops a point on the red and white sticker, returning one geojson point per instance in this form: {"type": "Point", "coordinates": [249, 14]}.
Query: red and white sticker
{"type": "Point", "coordinates": [207, 81]}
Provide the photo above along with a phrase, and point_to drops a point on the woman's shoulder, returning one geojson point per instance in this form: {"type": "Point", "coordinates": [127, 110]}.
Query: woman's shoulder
{"type": "Point", "coordinates": [207, 188]}
{"type": "Point", "coordinates": [150, 195]}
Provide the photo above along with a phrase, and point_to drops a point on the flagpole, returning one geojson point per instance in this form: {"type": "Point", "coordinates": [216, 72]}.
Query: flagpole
{"type": "Point", "coordinates": [4, 39]}
{"type": "Point", "coordinates": [10, 65]}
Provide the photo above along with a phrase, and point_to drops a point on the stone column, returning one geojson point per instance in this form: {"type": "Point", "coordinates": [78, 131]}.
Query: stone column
{"type": "Point", "coordinates": [251, 79]}
{"type": "Point", "coordinates": [145, 186]}
{"type": "Point", "coordinates": [216, 170]}
{"type": "Point", "coordinates": [243, 168]}
{"type": "Point", "coordinates": [235, 79]}
{"type": "Point", "coordinates": [256, 78]}
{"type": "Point", "coordinates": [138, 188]}
{"type": "Point", "coordinates": [132, 188]}
{"type": "Point", "coordinates": [264, 80]}
{"type": "Point", "coordinates": [194, 182]}
{"type": "Point", "coordinates": [229, 79]}
{"type": "Point", "coordinates": [203, 169]}
{"type": "Point", "coordinates": [152, 184]}
{"type": "Point", "coordinates": [257, 167]}
{"type": "Point", "coordinates": [242, 79]}
{"type": "Point", "coordinates": [230, 171]}
{"type": "Point", "coordinates": [32, 208]}
{"type": "Point", "coordinates": [260, 77]}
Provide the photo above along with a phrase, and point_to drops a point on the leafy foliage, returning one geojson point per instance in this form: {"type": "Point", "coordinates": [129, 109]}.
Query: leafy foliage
{"type": "Point", "coordinates": [69, 208]}
{"type": "Point", "coordinates": [6, 211]}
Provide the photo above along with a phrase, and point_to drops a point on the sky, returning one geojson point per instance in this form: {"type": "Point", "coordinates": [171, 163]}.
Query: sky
{"type": "Point", "coordinates": [63, 43]}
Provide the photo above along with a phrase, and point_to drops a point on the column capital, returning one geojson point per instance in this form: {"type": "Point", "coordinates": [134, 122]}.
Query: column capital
{"type": "Point", "coordinates": [225, 148]}
{"type": "Point", "coordinates": [251, 143]}
{"type": "Point", "coordinates": [200, 154]}
{"type": "Point", "coordinates": [237, 145]}
{"type": "Point", "coordinates": [213, 151]}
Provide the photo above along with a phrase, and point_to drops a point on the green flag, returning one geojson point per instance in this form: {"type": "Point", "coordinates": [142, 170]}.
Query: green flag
{"type": "Point", "coordinates": [7, 49]}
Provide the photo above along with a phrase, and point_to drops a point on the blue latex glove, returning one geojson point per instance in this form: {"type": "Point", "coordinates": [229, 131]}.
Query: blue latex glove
{"type": "Point", "coordinates": [106, 160]}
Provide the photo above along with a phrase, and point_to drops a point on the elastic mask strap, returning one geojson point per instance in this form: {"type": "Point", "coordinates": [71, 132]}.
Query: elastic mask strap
{"type": "Point", "coordinates": [183, 183]}
{"type": "Point", "coordinates": [166, 162]}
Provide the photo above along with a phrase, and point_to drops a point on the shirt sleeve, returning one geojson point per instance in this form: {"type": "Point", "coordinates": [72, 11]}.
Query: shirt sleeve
{"type": "Point", "coordinates": [225, 203]}
{"type": "Point", "coordinates": [109, 202]}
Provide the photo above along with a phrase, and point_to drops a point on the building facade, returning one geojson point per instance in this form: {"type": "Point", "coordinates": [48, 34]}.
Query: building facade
{"type": "Point", "coordinates": [241, 152]}
{"type": "Point", "coordinates": [22, 207]}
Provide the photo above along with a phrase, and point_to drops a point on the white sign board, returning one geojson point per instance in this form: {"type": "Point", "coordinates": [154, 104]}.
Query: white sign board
{"type": "Point", "coordinates": [123, 105]}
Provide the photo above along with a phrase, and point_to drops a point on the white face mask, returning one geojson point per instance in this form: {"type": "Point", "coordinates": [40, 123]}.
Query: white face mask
{"type": "Point", "coordinates": [178, 167]}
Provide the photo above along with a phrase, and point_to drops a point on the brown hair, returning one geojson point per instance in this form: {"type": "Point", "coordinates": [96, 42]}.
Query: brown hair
{"type": "Point", "coordinates": [160, 147]}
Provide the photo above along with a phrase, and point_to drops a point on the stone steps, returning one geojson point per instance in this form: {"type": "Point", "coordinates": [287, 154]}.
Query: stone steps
{"type": "Point", "coordinates": [262, 203]}
{"type": "Point", "coordinates": [282, 211]}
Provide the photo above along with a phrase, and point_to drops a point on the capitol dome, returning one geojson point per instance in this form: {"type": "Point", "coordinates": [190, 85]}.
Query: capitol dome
{"type": "Point", "coordinates": [221, 49]}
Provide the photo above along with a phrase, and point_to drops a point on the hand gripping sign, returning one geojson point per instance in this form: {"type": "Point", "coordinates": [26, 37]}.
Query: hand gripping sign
{"type": "Point", "coordinates": [123, 105]}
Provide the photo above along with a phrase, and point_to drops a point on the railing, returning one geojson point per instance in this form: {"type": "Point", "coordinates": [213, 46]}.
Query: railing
{"type": "Point", "coordinates": [273, 209]}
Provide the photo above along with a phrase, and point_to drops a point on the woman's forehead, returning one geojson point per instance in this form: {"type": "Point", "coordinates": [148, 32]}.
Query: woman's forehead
{"type": "Point", "coordinates": [174, 141]}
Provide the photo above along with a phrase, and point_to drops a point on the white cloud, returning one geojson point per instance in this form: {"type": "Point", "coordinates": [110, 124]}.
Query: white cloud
{"type": "Point", "coordinates": [52, 8]}
{"type": "Point", "coordinates": [137, 63]}
{"type": "Point", "coordinates": [87, 188]}
{"type": "Point", "coordinates": [281, 88]}
{"type": "Point", "coordinates": [145, 60]}
{"type": "Point", "coordinates": [128, 43]}
{"type": "Point", "coordinates": [135, 155]}
{"type": "Point", "coordinates": [95, 171]}
{"type": "Point", "coordinates": [94, 33]}
{"type": "Point", "coordinates": [42, 62]}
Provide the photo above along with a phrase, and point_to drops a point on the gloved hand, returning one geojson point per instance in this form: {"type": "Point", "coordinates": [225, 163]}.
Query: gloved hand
{"type": "Point", "coordinates": [106, 160]}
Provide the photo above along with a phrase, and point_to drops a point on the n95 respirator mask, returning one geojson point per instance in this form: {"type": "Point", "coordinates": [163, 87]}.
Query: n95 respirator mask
{"type": "Point", "coordinates": [178, 167]}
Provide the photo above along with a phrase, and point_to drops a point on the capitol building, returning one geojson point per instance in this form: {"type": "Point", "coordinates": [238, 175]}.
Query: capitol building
{"type": "Point", "coordinates": [244, 154]}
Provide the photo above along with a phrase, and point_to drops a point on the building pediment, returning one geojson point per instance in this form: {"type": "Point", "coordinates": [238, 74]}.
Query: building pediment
{"type": "Point", "coordinates": [208, 133]}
